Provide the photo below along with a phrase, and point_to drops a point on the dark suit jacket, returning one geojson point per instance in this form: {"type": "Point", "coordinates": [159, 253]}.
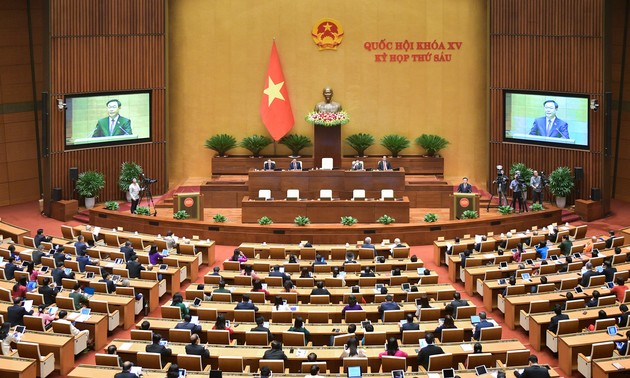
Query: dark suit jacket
{"type": "Point", "coordinates": [479, 326]}
{"type": "Point", "coordinates": [134, 268]}
{"type": "Point", "coordinates": [559, 128]}
{"type": "Point", "coordinates": [318, 291]}
{"type": "Point", "coordinates": [383, 166]}
{"type": "Point", "coordinates": [464, 188]}
{"type": "Point", "coordinates": [269, 166]}
{"type": "Point", "coordinates": [273, 354]}
{"type": "Point", "coordinates": [123, 127]}
{"type": "Point", "coordinates": [587, 275]}
{"type": "Point", "coordinates": [128, 251]}
{"type": "Point", "coordinates": [111, 286]}
{"type": "Point", "coordinates": [296, 165]}
{"type": "Point", "coordinates": [161, 349]}
{"type": "Point", "coordinates": [534, 371]}
{"type": "Point", "coordinates": [9, 271]}
{"type": "Point", "coordinates": [15, 315]}
{"type": "Point", "coordinates": [609, 242]}
{"type": "Point", "coordinates": [79, 246]}
{"type": "Point", "coordinates": [623, 319]}
{"type": "Point", "coordinates": [40, 238]}
{"type": "Point", "coordinates": [59, 258]}
{"type": "Point", "coordinates": [83, 261]}
{"type": "Point", "coordinates": [284, 276]}
{"type": "Point", "coordinates": [426, 352]}
{"type": "Point", "coordinates": [194, 328]}
{"type": "Point", "coordinates": [410, 326]}
{"type": "Point", "coordinates": [125, 375]}
{"type": "Point", "coordinates": [263, 329]}
{"type": "Point", "coordinates": [198, 350]}
{"type": "Point", "coordinates": [553, 324]}
{"type": "Point", "coordinates": [245, 306]}
{"type": "Point", "coordinates": [49, 294]}
{"type": "Point", "coordinates": [36, 256]}
{"type": "Point", "coordinates": [458, 303]}
{"type": "Point", "coordinates": [58, 274]}
{"type": "Point", "coordinates": [609, 273]}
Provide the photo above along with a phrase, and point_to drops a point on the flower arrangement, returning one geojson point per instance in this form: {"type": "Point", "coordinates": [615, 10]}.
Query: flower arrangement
{"type": "Point", "coordinates": [328, 119]}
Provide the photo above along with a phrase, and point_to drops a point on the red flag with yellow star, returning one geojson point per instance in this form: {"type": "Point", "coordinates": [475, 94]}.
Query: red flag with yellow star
{"type": "Point", "coordinates": [275, 107]}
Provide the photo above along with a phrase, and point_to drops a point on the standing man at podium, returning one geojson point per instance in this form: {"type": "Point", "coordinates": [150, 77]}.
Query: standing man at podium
{"type": "Point", "coordinates": [384, 165]}
{"type": "Point", "coordinates": [295, 165]}
{"type": "Point", "coordinates": [464, 187]}
{"type": "Point", "coordinates": [114, 124]}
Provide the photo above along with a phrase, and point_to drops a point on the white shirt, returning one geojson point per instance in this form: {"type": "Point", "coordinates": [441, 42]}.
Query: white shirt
{"type": "Point", "coordinates": [134, 191]}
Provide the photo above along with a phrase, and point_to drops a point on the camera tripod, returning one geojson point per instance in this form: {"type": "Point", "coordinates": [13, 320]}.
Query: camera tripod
{"type": "Point", "coordinates": [522, 202]}
{"type": "Point", "coordinates": [146, 194]}
{"type": "Point", "coordinates": [502, 199]}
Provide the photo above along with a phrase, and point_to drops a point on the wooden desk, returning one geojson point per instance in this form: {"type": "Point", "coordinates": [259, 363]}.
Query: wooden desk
{"type": "Point", "coordinates": [283, 211]}
{"type": "Point", "coordinates": [603, 368]}
{"type": "Point", "coordinates": [61, 345]}
{"type": "Point", "coordinates": [148, 289]}
{"type": "Point", "coordinates": [538, 323]}
{"type": "Point", "coordinates": [16, 233]}
{"type": "Point", "coordinates": [64, 210]}
{"type": "Point", "coordinates": [16, 367]}
{"type": "Point", "coordinates": [570, 345]}
{"type": "Point", "coordinates": [123, 303]}
{"type": "Point", "coordinates": [342, 183]}
{"type": "Point", "coordinates": [589, 210]}
{"type": "Point", "coordinates": [324, 249]}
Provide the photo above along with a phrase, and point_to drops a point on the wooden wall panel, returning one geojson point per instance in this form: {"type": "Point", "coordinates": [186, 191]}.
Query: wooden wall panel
{"type": "Point", "coordinates": [107, 46]}
{"type": "Point", "coordinates": [555, 46]}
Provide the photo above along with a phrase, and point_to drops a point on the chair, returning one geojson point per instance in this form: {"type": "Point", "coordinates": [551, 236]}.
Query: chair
{"type": "Point", "coordinates": [171, 312]}
{"type": "Point", "coordinates": [322, 317]}
{"type": "Point", "coordinates": [319, 299]}
{"type": "Point", "coordinates": [412, 336]}
{"type": "Point", "coordinates": [306, 366]}
{"type": "Point", "coordinates": [452, 335]}
{"type": "Point", "coordinates": [113, 318]}
{"type": "Point", "coordinates": [307, 253]}
{"type": "Point", "coordinates": [34, 323]}
{"type": "Point", "coordinates": [564, 327]}
{"type": "Point", "coordinates": [45, 365]}
{"type": "Point", "coordinates": [606, 301]}
{"type": "Point", "coordinates": [340, 340]}
{"type": "Point", "coordinates": [400, 253]}
{"type": "Point", "coordinates": [429, 314]}
{"type": "Point", "coordinates": [387, 194]}
{"type": "Point", "coordinates": [355, 316]}
{"type": "Point", "coordinates": [437, 362]}
{"type": "Point", "coordinates": [490, 333]}
{"type": "Point", "coordinates": [282, 317]}
{"type": "Point", "coordinates": [232, 364]}
{"type": "Point", "coordinates": [99, 287]}
{"type": "Point", "coordinates": [601, 324]}
{"type": "Point", "coordinates": [358, 194]}
{"type": "Point", "coordinates": [465, 312]}
{"type": "Point", "coordinates": [107, 359]}
{"type": "Point", "coordinates": [568, 283]}
{"type": "Point", "coordinates": [478, 359]}
{"type": "Point", "coordinates": [517, 358]}
{"type": "Point", "coordinates": [393, 315]}
{"type": "Point", "coordinates": [35, 297]}
{"type": "Point", "coordinates": [355, 361]}
{"type": "Point", "coordinates": [579, 232]}
{"type": "Point", "coordinates": [150, 360]}
{"type": "Point", "coordinates": [130, 291]}
{"type": "Point", "coordinates": [68, 232]}
{"type": "Point", "coordinates": [389, 363]}
{"type": "Point", "coordinates": [178, 336]}
{"type": "Point", "coordinates": [193, 363]}
{"type": "Point", "coordinates": [244, 316]}
{"type": "Point", "coordinates": [65, 303]}
{"type": "Point", "coordinates": [256, 338]}
{"type": "Point", "coordinates": [140, 334]}
{"type": "Point", "coordinates": [291, 298]}
{"type": "Point", "coordinates": [276, 366]}
{"type": "Point", "coordinates": [207, 313]}
{"type": "Point", "coordinates": [276, 253]}
{"type": "Point", "coordinates": [293, 338]}
{"type": "Point", "coordinates": [257, 296]}
{"type": "Point", "coordinates": [327, 163]}
{"type": "Point", "coordinates": [325, 194]}
{"type": "Point", "coordinates": [596, 281]}
{"type": "Point", "coordinates": [80, 339]}
{"type": "Point", "coordinates": [264, 194]}
{"type": "Point", "coordinates": [375, 338]}
{"type": "Point", "coordinates": [574, 304]}
{"type": "Point", "coordinates": [598, 350]}
{"type": "Point", "coordinates": [293, 194]}
{"type": "Point", "coordinates": [220, 336]}
{"type": "Point", "coordinates": [242, 280]}
{"type": "Point", "coordinates": [221, 297]}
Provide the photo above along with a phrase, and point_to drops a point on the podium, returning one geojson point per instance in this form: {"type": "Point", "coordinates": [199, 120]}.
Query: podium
{"type": "Point", "coordinates": [191, 203]}
{"type": "Point", "coordinates": [462, 202]}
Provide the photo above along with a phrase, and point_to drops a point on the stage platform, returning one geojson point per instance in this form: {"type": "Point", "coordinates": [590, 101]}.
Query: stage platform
{"type": "Point", "coordinates": [233, 232]}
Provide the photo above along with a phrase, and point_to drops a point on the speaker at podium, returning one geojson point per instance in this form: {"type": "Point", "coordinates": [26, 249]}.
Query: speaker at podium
{"type": "Point", "coordinates": [462, 202]}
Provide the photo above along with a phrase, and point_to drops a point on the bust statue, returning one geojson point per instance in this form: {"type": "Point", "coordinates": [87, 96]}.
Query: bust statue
{"type": "Point", "coordinates": [328, 106]}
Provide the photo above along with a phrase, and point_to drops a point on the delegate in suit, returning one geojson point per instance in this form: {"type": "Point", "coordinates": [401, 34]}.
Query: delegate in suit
{"type": "Point", "coordinates": [550, 125]}
{"type": "Point", "coordinates": [113, 124]}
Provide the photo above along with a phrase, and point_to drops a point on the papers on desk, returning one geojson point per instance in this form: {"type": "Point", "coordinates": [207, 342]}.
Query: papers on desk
{"type": "Point", "coordinates": [300, 353]}
{"type": "Point", "coordinates": [73, 315]}
{"type": "Point", "coordinates": [194, 319]}
{"type": "Point", "coordinates": [96, 230]}
{"type": "Point", "coordinates": [477, 239]}
{"type": "Point", "coordinates": [449, 246]}
{"type": "Point", "coordinates": [137, 370]}
{"type": "Point", "coordinates": [28, 305]}
{"type": "Point", "coordinates": [488, 255]}
{"type": "Point", "coordinates": [467, 347]}
{"type": "Point", "coordinates": [125, 346]}
{"type": "Point", "coordinates": [110, 265]}
{"type": "Point", "coordinates": [82, 318]}
{"type": "Point", "coordinates": [434, 375]}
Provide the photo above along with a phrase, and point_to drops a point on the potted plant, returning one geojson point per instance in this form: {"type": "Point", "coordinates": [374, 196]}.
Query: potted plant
{"type": "Point", "coordinates": [432, 144]}
{"type": "Point", "coordinates": [255, 143]}
{"type": "Point", "coordinates": [386, 219]}
{"type": "Point", "coordinates": [221, 143]}
{"type": "Point", "coordinates": [430, 217]}
{"type": "Point", "coordinates": [143, 210]}
{"type": "Point", "coordinates": [296, 143]}
{"type": "Point", "coordinates": [469, 214]}
{"type": "Point", "coordinates": [301, 220]}
{"type": "Point", "coordinates": [128, 171]}
{"type": "Point", "coordinates": [560, 184]}
{"type": "Point", "coordinates": [360, 142]}
{"type": "Point", "coordinates": [181, 214]}
{"type": "Point", "coordinates": [505, 210]}
{"type": "Point", "coordinates": [348, 221]}
{"type": "Point", "coordinates": [536, 207]}
{"type": "Point", "coordinates": [111, 205]}
{"type": "Point", "coordinates": [265, 221]}
{"type": "Point", "coordinates": [88, 185]}
{"type": "Point", "coordinates": [219, 218]}
{"type": "Point", "coordinates": [395, 143]}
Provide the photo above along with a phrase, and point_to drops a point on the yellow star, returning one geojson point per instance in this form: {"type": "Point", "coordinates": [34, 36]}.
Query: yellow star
{"type": "Point", "coordinates": [327, 26]}
{"type": "Point", "coordinates": [273, 91]}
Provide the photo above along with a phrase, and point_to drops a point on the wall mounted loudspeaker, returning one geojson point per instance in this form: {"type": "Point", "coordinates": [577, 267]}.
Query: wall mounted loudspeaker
{"type": "Point", "coordinates": [74, 173]}
{"type": "Point", "coordinates": [596, 194]}
{"type": "Point", "coordinates": [56, 194]}
{"type": "Point", "coordinates": [579, 173]}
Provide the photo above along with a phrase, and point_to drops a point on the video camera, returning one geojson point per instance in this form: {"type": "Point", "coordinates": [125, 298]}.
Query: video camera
{"type": "Point", "coordinates": [147, 180]}
{"type": "Point", "coordinates": [543, 179]}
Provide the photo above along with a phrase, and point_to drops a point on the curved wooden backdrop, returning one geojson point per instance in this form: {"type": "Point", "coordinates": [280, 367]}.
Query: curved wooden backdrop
{"type": "Point", "coordinates": [107, 46]}
{"type": "Point", "coordinates": [554, 46]}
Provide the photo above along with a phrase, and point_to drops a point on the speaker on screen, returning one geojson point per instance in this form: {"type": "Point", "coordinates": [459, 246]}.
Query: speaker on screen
{"type": "Point", "coordinates": [596, 194]}
{"type": "Point", "coordinates": [56, 194]}
{"type": "Point", "coordinates": [579, 173]}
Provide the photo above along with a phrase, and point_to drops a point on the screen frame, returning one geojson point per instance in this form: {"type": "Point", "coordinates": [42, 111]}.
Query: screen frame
{"type": "Point", "coordinates": [112, 94]}
{"type": "Point", "coordinates": [550, 95]}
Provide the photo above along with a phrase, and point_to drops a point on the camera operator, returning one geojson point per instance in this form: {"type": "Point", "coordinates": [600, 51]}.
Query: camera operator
{"type": "Point", "coordinates": [537, 185]}
{"type": "Point", "coordinates": [134, 193]}
{"type": "Point", "coordinates": [501, 181]}
{"type": "Point", "coordinates": [517, 188]}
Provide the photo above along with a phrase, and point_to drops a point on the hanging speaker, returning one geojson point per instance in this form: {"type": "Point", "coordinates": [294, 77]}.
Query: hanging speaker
{"type": "Point", "coordinates": [56, 194]}
{"type": "Point", "coordinates": [579, 173]}
{"type": "Point", "coordinates": [74, 173]}
{"type": "Point", "coordinates": [596, 194]}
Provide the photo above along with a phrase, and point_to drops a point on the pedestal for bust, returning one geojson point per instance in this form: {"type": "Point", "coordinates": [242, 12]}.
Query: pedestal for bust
{"type": "Point", "coordinates": [327, 143]}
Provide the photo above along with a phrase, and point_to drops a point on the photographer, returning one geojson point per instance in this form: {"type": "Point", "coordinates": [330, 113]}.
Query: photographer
{"type": "Point", "coordinates": [517, 188]}
{"type": "Point", "coordinates": [501, 182]}
{"type": "Point", "coordinates": [134, 193]}
{"type": "Point", "coordinates": [537, 185]}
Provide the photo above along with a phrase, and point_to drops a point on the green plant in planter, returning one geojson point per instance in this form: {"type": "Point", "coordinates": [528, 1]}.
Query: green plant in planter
{"type": "Point", "coordinates": [219, 218]}
{"type": "Point", "coordinates": [128, 171]}
{"type": "Point", "coordinates": [432, 144]}
{"type": "Point", "coordinates": [90, 183]}
{"type": "Point", "coordinates": [526, 172]}
{"type": "Point", "coordinates": [561, 182]}
{"type": "Point", "coordinates": [255, 143]}
{"type": "Point", "coordinates": [430, 217]}
{"type": "Point", "coordinates": [181, 214]}
{"type": "Point", "coordinates": [469, 214]}
{"type": "Point", "coordinates": [386, 219]}
{"type": "Point", "coordinates": [112, 205]}
{"type": "Point", "coordinates": [265, 221]}
{"type": "Point", "coordinates": [296, 143]}
{"type": "Point", "coordinates": [221, 143]}
{"type": "Point", "coordinates": [536, 207]}
{"type": "Point", "coordinates": [348, 221]}
{"type": "Point", "coordinates": [301, 220]}
{"type": "Point", "coordinates": [395, 143]}
{"type": "Point", "coordinates": [360, 142]}
{"type": "Point", "coordinates": [143, 210]}
{"type": "Point", "coordinates": [505, 210]}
